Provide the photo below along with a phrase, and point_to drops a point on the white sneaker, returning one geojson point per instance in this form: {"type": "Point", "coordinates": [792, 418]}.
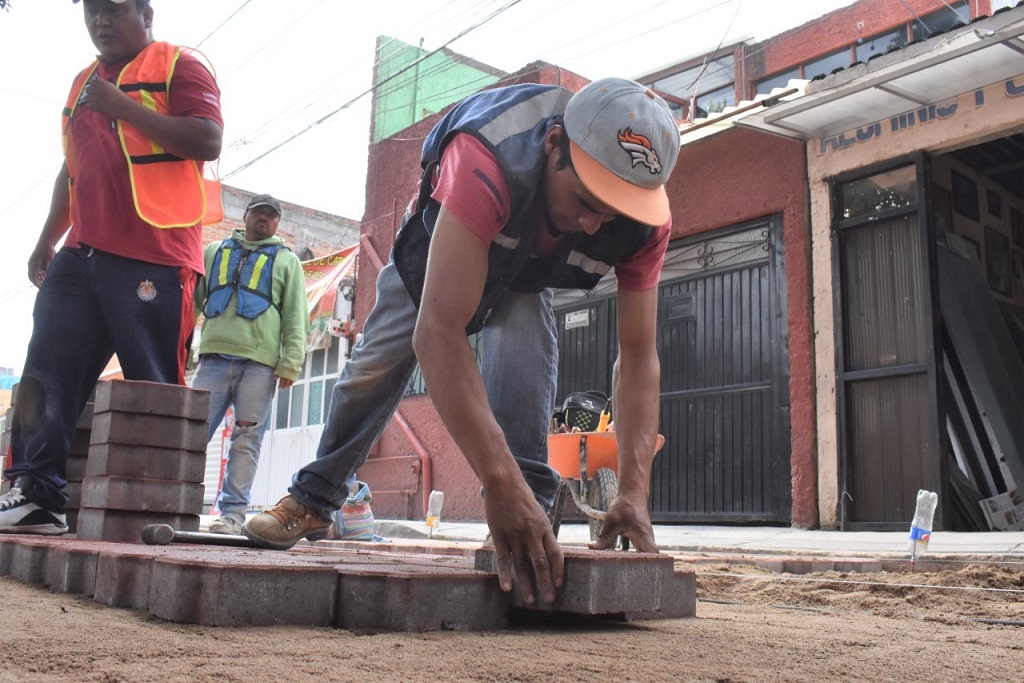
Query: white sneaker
{"type": "Point", "coordinates": [18, 515]}
{"type": "Point", "coordinates": [226, 525]}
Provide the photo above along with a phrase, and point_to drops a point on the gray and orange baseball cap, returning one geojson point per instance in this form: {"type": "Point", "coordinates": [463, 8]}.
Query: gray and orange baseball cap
{"type": "Point", "coordinates": [624, 143]}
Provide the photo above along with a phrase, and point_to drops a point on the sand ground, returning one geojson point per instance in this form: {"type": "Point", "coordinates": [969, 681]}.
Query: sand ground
{"type": "Point", "coordinates": [751, 625]}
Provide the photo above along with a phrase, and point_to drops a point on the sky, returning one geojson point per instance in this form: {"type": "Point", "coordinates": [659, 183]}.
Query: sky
{"type": "Point", "coordinates": [282, 67]}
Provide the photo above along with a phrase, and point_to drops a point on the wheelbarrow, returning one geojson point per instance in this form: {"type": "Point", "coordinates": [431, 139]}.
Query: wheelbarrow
{"type": "Point", "coordinates": [588, 463]}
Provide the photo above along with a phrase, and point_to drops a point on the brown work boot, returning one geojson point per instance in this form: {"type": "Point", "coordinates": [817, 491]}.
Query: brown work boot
{"type": "Point", "coordinates": [283, 525]}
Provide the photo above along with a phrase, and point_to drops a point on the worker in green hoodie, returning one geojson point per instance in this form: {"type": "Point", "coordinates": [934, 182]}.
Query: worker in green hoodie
{"type": "Point", "coordinates": [253, 298]}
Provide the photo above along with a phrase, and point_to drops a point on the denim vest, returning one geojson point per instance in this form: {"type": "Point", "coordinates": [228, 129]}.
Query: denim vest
{"type": "Point", "coordinates": [250, 273]}
{"type": "Point", "coordinates": [512, 123]}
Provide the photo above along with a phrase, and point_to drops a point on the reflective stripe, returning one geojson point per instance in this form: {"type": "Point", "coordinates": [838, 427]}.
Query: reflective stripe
{"type": "Point", "coordinates": [587, 264]}
{"type": "Point", "coordinates": [257, 269]}
{"type": "Point", "coordinates": [535, 108]}
{"type": "Point", "coordinates": [222, 272]}
{"type": "Point", "coordinates": [147, 101]}
{"type": "Point", "coordinates": [503, 240]}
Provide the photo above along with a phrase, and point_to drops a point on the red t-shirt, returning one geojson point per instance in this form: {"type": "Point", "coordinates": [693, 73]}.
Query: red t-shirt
{"type": "Point", "coordinates": [471, 185]}
{"type": "Point", "coordinates": [103, 215]}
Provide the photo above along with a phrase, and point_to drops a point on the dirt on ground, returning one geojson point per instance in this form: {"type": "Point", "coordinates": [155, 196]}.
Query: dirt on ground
{"type": "Point", "coordinates": [751, 625]}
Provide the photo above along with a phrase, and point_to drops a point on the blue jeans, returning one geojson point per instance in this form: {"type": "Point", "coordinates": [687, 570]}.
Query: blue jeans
{"type": "Point", "coordinates": [520, 357]}
{"type": "Point", "coordinates": [248, 386]}
{"type": "Point", "coordinates": [90, 305]}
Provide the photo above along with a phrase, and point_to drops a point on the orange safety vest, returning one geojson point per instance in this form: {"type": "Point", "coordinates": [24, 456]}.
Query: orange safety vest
{"type": "Point", "coordinates": [169, 191]}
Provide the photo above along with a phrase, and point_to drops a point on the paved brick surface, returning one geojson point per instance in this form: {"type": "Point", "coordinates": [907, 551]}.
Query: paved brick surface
{"type": "Point", "coordinates": [146, 462]}
{"type": "Point", "coordinates": [28, 561]}
{"type": "Point", "coordinates": [125, 526]}
{"type": "Point", "coordinates": [359, 586]}
{"type": "Point", "coordinates": [135, 429]}
{"type": "Point", "coordinates": [221, 593]}
{"type": "Point", "coordinates": [122, 577]}
{"type": "Point", "coordinates": [152, 398]}
{"type": "Point", "coordinates": [441, 600]}
{"type": "Point", "coordinates": [72, 569]}
{"type": "Point", "coordinates": [142, 495]}
{"type": "Point", "coordinates": [606, 582]}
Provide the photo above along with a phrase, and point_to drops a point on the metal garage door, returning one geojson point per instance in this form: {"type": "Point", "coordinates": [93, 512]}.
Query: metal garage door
{"type": "Point", "coordinates": [724, 376]}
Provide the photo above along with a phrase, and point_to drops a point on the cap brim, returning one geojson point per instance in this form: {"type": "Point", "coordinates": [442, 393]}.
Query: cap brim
{"type": "Point", "coordinates": [648, 206]}
{"type": "Point", "coordinates": [253, 206]}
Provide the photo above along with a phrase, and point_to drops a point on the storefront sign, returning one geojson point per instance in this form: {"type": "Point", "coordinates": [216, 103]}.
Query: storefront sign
{"type": "Point", "coordinates": [963, 104]}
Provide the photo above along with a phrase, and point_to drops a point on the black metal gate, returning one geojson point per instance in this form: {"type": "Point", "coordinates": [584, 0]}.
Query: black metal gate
{"type": "Point", "coordinates": [723, 345]}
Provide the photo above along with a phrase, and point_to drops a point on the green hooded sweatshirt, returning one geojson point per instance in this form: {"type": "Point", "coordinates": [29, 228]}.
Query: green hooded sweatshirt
{"type": "Point", "coordinates": [277, 338]}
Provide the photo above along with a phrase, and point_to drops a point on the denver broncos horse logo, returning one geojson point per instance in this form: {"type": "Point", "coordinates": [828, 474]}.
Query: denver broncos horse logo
{"type": "Point", "coordinates": [640, 150]}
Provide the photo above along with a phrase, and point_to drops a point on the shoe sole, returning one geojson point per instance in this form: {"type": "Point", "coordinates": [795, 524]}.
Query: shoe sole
{"type": "Point", "coordinates": [271, 545]}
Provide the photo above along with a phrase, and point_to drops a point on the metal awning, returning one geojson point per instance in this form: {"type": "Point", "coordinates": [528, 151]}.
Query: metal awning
{"type": "Point", "coordinates": [961, 60]}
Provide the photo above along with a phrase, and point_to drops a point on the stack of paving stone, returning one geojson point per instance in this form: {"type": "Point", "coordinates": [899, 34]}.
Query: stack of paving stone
{"type": "Point", "coordinates": [77, 458]}
{"type": "Point", "coordinates": [147, 460]}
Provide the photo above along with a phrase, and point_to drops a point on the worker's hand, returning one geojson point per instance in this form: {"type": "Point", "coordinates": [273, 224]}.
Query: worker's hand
{"type": "Point", "coordinates": [627, 516]}
{"type": "Point", "coordinates": [523, 541]}
{"type": "Point", "coordinates": [105, 98]}
{"type": "Point", "coordinates": [39, 262]}
{"type": "Point", "coordinates": [284, 382]}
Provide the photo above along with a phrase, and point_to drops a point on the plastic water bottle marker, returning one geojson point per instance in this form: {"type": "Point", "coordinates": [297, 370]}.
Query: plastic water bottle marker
{"type": "Point", "coordinates": [434, 511]}
{"type": "Point", "coordinates": [921, 527]}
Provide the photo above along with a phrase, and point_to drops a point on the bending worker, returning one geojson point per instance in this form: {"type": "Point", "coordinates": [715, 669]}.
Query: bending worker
{"type": "Point", "coordinates": [523, 189]}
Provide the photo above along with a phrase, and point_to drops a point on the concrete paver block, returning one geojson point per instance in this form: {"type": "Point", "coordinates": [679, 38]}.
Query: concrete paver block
{"type": "Point", "coordinates": [152, 398]}
{"type": "Point", "coordinates": [125, 526]}
{"type": "Point", "coordinates": [771, 564]}
{"type": "Point", "coordinates": [72, 570]}
{"type": "Point", "coordinates": [136, 429]}
{"type": "Point", "coordinates": [76, 467]}
{"type": "Point", "coordinates": [604, 582]}
{"type": "Point", "coordinates": [146, 462]}
{"type": "Point", "coordinates": [678, 603]}
{"type": "Point", "coordinates": [799, 565]}
{"type": "Point", "coordinates": [74, 491]}
{"type": "Point", "coordinates": [7, 545]}
{"type": "Point", "coordinates": [28, 561]}
{"type": "Point", "coordinates": [441, 600]}
{"type": "Point", "coordinates": [85, 417]}
{"type": "Point", "coordinates": [223, 594]}
{"type": "Point", "coordinates": [143, 495]}
{"type": "Point", "coordinates": [855, 566]}
{"type": "Point", "coordinates": [122, 579]}
{"type": "Point", "coordinates": [80, 442]}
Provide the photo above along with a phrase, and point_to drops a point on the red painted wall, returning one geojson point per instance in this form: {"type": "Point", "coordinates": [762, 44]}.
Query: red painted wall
{"type": "Point", "coordinates": [740, 175]}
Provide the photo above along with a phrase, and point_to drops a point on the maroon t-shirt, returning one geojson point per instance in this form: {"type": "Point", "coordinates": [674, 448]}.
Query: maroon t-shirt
{"type": "Point", "coordinates": [103, 214]}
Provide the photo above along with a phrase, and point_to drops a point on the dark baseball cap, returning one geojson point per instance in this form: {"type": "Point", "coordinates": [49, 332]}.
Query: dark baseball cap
{"type": "Point", "coordinates": [264, 200]}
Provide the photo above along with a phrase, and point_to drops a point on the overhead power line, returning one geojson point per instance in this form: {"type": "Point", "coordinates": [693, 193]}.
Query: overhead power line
{"type": "Point", "coordinates": [355, 99]}
{"type": "Point", "coordinates": [223, 23]}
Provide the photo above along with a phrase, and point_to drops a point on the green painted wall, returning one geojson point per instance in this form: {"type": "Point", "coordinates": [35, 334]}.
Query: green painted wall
{"type": "Point", "coordinates": [407, 92]}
